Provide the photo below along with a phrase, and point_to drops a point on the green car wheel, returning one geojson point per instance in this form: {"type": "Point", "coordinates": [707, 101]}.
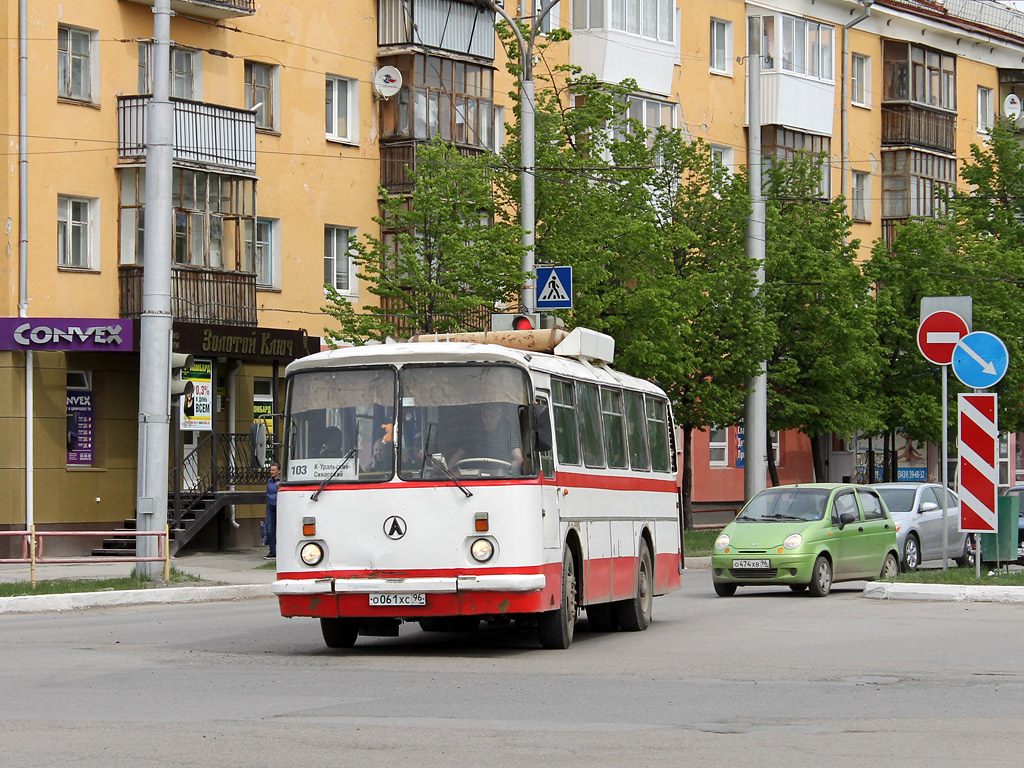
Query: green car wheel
{"type": "Point", "coordinates": [724, 590]}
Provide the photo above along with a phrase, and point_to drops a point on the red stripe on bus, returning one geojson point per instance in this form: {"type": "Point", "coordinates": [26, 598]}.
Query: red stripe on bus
{"type": "Point", "coordinates": [421, 573]}
{"type": "Point", "coordinates": [615, 483]}
{"type": "Point", "coordinates": [448, 604]}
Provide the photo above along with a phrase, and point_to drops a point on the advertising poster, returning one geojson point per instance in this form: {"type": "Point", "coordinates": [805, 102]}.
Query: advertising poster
{"type": "Point", "coordinates": [196, 408]}
{"type": "Point", "coordinates": [263, 412]}
{"type": "Point", "coordinates": [79, 422]}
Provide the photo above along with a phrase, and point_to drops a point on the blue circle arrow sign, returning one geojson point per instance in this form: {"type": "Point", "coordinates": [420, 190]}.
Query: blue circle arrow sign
{"type": "Point", "coordinates": [980, 360]}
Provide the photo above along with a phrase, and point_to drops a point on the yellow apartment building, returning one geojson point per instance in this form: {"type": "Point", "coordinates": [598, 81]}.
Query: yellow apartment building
{"type": "Point", "coordinates": [285, 127]}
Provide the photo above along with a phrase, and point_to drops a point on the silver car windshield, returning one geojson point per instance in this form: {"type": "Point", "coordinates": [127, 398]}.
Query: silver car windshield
{"type": "Point", "coordinates": [780, 505]}
{"type": "Point", "coordinates": [898, 499]}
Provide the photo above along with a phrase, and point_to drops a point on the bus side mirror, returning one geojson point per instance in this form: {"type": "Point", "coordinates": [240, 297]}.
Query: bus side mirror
{"type": "Point", "coordinates": [542, 427]}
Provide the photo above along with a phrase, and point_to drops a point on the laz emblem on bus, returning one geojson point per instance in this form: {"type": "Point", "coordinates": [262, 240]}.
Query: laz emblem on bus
{"type": "Point", "coordinates": [394, 527]}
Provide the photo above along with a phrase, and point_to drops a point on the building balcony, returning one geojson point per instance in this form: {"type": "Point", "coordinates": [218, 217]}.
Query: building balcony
{"type": "Point", "coordinates": [915, 125]}
{"type": "Point", "coordinates": [398, 158]}
{"type": "Point", "coordinates": [209, 9]}
{"type": "Point", "coordinates": [457, 26]}
{"type": "Point", "coordinates": [207, 135]}
{"type": "Point", "coordinates": [198, 295]}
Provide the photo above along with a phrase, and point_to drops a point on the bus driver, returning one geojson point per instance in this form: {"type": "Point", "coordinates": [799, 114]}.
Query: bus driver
{"type": "Point", "coordinates": [493, 437]}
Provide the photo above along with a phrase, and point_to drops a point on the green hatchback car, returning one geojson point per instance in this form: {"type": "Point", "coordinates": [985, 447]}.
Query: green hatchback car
{"type": "Point", "coordinates": [806, 537]}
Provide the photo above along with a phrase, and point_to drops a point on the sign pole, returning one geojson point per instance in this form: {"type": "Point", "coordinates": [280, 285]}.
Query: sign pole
{"type": "Point", "coordinates": [945, 469]}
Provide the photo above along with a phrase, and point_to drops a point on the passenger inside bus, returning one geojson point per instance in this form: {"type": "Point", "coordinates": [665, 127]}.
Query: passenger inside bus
{"type": "Point", "coordinates": [492, 441]}
{"type": "Point", "coordinates": [332, 446]}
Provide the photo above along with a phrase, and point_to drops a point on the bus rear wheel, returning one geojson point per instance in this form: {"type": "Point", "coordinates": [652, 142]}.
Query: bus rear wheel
{"type": "Point", "coordinates": [635, 614]}
{"type": "Point", "coordinates": [557, 627]}
{"type": "Point", "coordinates": [339, 633]}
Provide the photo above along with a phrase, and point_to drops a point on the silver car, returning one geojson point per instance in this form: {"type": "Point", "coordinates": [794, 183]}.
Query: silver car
{"type": "Point", "coordinates": [917, 510]}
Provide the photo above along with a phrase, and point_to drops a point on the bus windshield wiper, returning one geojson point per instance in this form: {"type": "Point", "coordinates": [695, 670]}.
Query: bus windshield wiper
{"type": "Point", "coordinates": [443, 468]}
{"type": "Point", "coordinates": [344, 463]}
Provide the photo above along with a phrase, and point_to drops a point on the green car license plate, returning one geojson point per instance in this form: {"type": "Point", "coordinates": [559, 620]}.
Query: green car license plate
{"type": "Point", "coordinates": [751, 563]}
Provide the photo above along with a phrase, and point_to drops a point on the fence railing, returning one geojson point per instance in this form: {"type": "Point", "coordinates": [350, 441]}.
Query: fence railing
{"type": "Point", "coordinates": [33, 554]}
{"type": "Point", "coordinates": [198, 295]}
{"type": "Point", "coordinates": [207, 134]}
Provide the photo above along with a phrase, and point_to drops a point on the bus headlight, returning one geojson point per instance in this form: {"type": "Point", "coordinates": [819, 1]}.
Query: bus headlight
{"type": "Point", "coordinates": [482, 550]}
{"type": "Point", "coordinates": [311, 553]}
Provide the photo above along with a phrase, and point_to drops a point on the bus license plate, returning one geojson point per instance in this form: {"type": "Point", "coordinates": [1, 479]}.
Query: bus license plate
{"type": "Point", "coordinates": [751, 564]}
{"type": "Point", "coordinates": [393, 599]}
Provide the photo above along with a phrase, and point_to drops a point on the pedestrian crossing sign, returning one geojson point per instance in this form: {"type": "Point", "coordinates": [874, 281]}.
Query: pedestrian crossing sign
{"type": "Point", "coordinates": [554, 287]}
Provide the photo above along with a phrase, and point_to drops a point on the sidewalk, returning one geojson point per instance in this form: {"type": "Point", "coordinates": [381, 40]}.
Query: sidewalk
{"type": "Point", "coordinates": [229, 575]}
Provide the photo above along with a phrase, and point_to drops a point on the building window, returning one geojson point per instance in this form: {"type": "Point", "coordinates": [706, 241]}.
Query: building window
{"type": "Point", "coordinates": [861, 208]}
{"type": "Point", "coordinates": [986, 110]}
{"type": "Point", "coordinates": [75, 63]}
{"type": "Point", "coordinates": [721, 47]}
{"type": "Point", "coordinates": [653, 19]}
{"type": "Point", "coordinates": [651, 114]}
{"type": "Point", "coordinates": [213, 218]}
{"type": "Point", "coordinates": [588, 14]}
{"type": "Point", "coordinates": [186, 68]}
{"type": "Point", "coordinates": [807, 46]}
{"type": "Point", "coordinates": [920, 75]}
{"type": "Point", "coordinates": [911, 182]}
{"type": "Point", "coordinates": [718, 446]}
{"type": "Point", "coordinates": [860, 80]}
{"type": "Point", "coordinates": [342, 102]}
{"type": "Point", "coordinates": [339, 270]}
{"type": "Point", "coordinates": [550, 21]}
{"type": "Point", "coordinates": [262, 247]}
{"type": "Point", "coordinates": [261, 94]}
{"type": "Point", "coordinates": [76, 231]}
{"type": "Point", "coordinates": [450, 99]}
{"type": "Point", "coordinates": [784, 145]}
{"type": "Point", "coordinates": [722, 156]}
{"type": "Point", "coordinates": [774, 437]}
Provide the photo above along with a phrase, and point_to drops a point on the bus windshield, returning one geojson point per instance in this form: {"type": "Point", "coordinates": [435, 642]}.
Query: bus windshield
{"type": "Point", "coordinates": [341, 424]}
{"type": "Point", "coordinates": [467, 420]}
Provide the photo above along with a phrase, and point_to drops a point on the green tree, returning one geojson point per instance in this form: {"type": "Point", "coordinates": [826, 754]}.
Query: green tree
{"type": "Point", "coordinates": [445, 254]}
{"type": "Point", "coordinates": [825, 359]}
{"type": "Point", "coordinates": [654, 231]}
{"type": "Point", "coordinates": [975, 247]}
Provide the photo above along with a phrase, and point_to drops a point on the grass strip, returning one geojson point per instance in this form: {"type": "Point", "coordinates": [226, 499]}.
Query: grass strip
{"type": "Point", "coordinates": [698, 543]}
{"type": "Point", "coordinates": [64, 586]}
{"type": "Point", "coordinates": [1000, 578]}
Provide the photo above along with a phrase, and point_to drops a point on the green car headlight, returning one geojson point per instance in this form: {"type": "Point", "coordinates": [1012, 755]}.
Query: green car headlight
{"type": "Point", "coordinates": [722, 541]}
{"type": "Point", "coordinates": [793, 541]}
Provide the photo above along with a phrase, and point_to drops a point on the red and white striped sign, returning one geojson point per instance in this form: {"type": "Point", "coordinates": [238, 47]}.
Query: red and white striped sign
{"type": "Point", "coordinates": [977, 444]}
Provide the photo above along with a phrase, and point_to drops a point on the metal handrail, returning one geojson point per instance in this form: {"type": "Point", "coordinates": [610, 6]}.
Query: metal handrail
{"type": "Point", "coordinates": [32, 549]}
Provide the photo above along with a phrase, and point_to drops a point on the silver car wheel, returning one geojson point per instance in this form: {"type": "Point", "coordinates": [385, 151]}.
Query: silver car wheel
{"type": "Point", "coordinates": [911, 553]}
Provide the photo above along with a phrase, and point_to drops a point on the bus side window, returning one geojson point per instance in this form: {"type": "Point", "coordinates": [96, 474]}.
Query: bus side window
{"type": "Point", "coordinates": [567, 442]}
{"type": "Point", "coordinates": [657, 431]}
{"type": "Point", "coordinates": [590, 424]}
{"type": "Point", "coordinates": [547, 462]}
{"type": "Point", "coordinates": [636, 431]}
{"type": "Point", "coordinates": [614, 428]}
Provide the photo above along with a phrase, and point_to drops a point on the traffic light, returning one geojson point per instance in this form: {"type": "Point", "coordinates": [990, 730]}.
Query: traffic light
{"type": "Point", "coordinates": [515, 321]}
{"type": "Point", "coordinates": [179, 385]}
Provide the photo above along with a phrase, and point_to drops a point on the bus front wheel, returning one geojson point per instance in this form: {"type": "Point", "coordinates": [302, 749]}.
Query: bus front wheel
{"type": "Point", "coordinates": [339, 633]}
{"type": "Point", "coordinates": [556, 627]}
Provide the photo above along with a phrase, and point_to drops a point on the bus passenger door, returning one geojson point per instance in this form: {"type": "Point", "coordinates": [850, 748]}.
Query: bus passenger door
{"type": "Point", "coordinates": [549, 500]}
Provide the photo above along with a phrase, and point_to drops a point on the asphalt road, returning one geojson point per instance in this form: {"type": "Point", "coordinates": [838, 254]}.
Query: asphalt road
{"type": "Point", "coordinates": [764, 678]}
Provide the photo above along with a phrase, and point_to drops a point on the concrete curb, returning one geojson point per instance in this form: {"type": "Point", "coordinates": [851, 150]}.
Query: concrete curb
{"type": "Point", "coordinates": [72, 601]}
{"type": "Point", "coordinates": [949, 593]}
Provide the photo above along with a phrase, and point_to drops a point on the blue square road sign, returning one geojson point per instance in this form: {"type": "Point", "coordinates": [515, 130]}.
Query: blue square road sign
{"type": "Point", "coordinates": [554, 288]}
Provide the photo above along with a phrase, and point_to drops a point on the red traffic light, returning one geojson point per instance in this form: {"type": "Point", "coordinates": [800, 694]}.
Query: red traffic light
{"type": "Point", "coordinates": [521, 323]}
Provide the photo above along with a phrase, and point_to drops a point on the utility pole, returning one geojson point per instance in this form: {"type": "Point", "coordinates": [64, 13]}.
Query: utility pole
{"type": "Point", "coordinates": [755, 460]}
{"type": "Point", "coordinates": [527, 145]}
{"type": "Point", "coordinates": [156, 324]}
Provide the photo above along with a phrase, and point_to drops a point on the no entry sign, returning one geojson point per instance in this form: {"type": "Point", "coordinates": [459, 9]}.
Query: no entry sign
{"type": "Point", "coordinates": [938, 334]}
{"type": "Point", "coordinates": [978, 475]}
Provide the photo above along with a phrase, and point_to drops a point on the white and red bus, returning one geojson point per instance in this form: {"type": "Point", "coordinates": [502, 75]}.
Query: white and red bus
{"type": "Point", "coordinates": [449, 482]}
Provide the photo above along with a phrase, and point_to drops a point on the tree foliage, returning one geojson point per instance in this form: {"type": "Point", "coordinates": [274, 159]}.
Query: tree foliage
{"type": "Point", "coordinates": [824, 360]}
{"type": "Point", "coordinates": [444, 256]}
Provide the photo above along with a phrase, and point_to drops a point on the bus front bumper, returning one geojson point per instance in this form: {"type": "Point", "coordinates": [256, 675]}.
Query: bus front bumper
{"type": "Point", "coordinates": [526, 582]}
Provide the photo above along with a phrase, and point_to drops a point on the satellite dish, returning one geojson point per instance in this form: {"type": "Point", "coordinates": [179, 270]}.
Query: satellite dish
{"type": "Point", "coordinates": [387, 82]}
{"type": "Point", "coordinates": [1011, 106]}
